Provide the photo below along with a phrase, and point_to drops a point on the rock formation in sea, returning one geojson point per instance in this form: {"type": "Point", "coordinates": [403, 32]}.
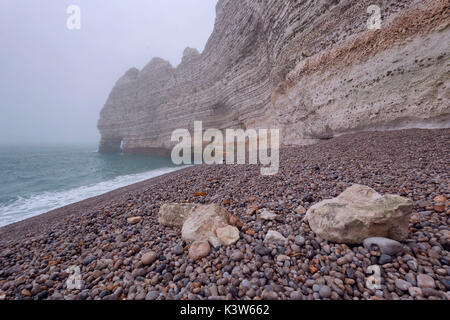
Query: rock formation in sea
{"type": "Point", "coordinates": [313, 69]}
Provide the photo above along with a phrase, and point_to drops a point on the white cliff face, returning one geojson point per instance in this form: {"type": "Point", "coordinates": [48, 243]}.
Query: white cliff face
{"type": "Point", "coordinates": [309, 68]}
{"type": "Point", "coordinates": [389, 79]}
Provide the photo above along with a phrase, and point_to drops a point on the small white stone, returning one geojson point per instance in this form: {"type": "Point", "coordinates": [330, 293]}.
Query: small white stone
{"type": "Point", "coordinates": [228, 235]}
{"type": "Point", "coordinates": [267, 215]}
{"type": "Point", "coordinates": [274, 237]}
{"type": "Point", "coordinates": [134, 220]}
{"type": "Point", "coordinates": [214, 242]}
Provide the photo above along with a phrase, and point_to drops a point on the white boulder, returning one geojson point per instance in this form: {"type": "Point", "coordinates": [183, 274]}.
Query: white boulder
{"type": "Point", "coordinates": [360, 213]}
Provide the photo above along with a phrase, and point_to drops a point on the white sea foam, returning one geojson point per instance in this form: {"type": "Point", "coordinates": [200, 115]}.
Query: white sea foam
{"type": "Point", "coordinates": [24, 208]}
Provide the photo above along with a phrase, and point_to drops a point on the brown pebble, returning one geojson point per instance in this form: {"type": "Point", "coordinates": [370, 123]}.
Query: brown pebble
{"type": "Point", "coordinates": [148, 258]}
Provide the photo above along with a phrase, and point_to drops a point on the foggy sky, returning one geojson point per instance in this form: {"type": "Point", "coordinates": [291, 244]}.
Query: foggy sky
{"type": "Point", "coordinates": [54, 81]}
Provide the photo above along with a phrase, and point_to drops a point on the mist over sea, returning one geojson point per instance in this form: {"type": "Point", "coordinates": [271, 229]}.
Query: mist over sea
{"type": "Point", "coordinates": [35, 180]}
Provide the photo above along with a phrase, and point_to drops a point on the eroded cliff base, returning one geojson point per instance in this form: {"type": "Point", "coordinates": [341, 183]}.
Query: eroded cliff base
{"type": "Point", "coordinates": [312, 70]}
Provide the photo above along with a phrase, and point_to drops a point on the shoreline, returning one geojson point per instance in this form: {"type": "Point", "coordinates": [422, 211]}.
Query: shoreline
{"type": "Point", "coordinates": [57, 214]}
{"type": "Point", "coordinates": [35, 224]}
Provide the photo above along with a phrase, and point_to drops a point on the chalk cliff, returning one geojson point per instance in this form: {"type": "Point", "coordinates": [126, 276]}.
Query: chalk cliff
{"type": "Point", "coordinates": [311, 68]}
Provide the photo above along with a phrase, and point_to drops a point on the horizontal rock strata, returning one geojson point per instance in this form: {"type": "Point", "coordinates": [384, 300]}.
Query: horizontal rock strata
{"type": "Point", "coordinates": [310, 68]}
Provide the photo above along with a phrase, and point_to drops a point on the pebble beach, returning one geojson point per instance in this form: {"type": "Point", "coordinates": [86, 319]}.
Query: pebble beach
{"type": "Point", "coordinates": [124, 253]}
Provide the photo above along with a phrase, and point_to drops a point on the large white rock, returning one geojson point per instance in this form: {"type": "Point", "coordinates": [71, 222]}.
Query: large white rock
{"type": "Point", "coordinates": [360, 213]}
{"type": "Point", "coordinates": [202, 223]}
{"type": "Point", "coordinates": [175, 214]}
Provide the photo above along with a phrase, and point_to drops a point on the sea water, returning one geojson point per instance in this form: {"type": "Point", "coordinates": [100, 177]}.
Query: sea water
{"type": "Point", "coordinates": [35, 180]}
